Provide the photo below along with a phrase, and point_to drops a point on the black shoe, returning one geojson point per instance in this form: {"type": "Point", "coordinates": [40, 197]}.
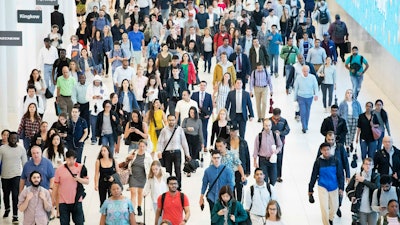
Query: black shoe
{"type": "Point", "coordinates": [304, 131]}
{"type": "Point", "coordinates": [330, 222]}
{"type": "Point", "coordinates": [260, 120]}
{"type": "Point", "coordinates": [139, 211]}
{"type": "Point", "coordinates": [351, 147]}
{"type": "Point", "coordinates": [279, 180]}
{"type": "Point", "coordinates": [6, 213]}
{"type": "Point", "coordinates": [339, 213]}
{"type": "Point", "coordinates": [348, 151]}
{"type": "Point", "coordinates": [342, 59]}
{"type": "Point", "coordinates": [15, 220]}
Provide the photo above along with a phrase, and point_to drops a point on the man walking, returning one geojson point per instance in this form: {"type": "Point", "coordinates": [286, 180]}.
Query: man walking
{"type": "Point", "coordinates": [267, 144]}
{"type": "Point", "coordinates": [79, 97]}
{"type": "Point", "coordinates": [275, 39]}
{"type": "Point", "coordinates": [172, 204]}
{"type": "Point", "coordinates": [336, 124]}
{"type": "Point", "coordinates": [48, 54]}
{"type": "Point", "coordinates": [215, 176]}
{"type": "Point", "coordinates": [256, 197]}
{"type": "Point", "coordinates": [13, 157]}
{"type": "Point", "coordinates": [67, 178]}
{"type": "Point", "coordinates": [330, 183]}
{"type": "Point", "coordinates": [316, 55]}
{"type": "Point", "coordinates": [170, 142]}
{"type": "Point", "coordinates": [260, 81]}
{"type": "Point", "coordinates": [288, 54]}
{"type": "Point", "coordinates": [183, 106]}
{"type": "Point", "coordinates": [57, 18]}
{"type": "Point", "coordinates": [77, 133]}
{"type": "Point", "coordinates": [241, 63]}
{"type": "Point", "coordinates": [238, 103]}
{"type": "Point", "coordinates": [355, 64]}
{"type": "Point", "coordinates": [205, 106]}
{"type": "Point", "coordinates": [305, 90]}
{"type": "Point", "coordinates": [281, 128]}
{"type": "Point", "coordinates": [65, 85]}
{"type": "Point", "coordinates": [338, 31]}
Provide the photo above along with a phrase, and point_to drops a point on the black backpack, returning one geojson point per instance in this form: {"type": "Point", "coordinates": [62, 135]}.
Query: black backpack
{"type": "Point", "coordinates": [323, 17]}
{"type": "Point", "coordinates": [260, 138]}
{"type": "Point", "coordinates": [340, 30]}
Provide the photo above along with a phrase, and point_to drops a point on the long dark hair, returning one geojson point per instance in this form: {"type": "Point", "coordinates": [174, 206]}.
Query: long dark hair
{"type": "Point", "coordinates": [225, 190]}
{"type": "Point", "coordinates": [121, 89]}
{"type": "Point", "coordinates": [27, 114]}
{"type": "Point", "coordinates": [137, 112]}
{"type": "Point", "coordinates": [152, 111]}
{"type": "Point", "coordinates": [60, 148]}
{"type": "Point", "coordinates": [110, 155]}
{"type": "Point", "coordinates": [196, 115]}
{"type": "Point", "coordinates": [31, 80]}
{"type": "Point", "coordinates": [383, 112]}
{"type": "Point", "coordinates": [148, 82]}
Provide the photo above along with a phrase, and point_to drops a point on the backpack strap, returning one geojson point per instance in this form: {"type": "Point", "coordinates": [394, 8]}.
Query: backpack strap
{"type": "Point", "coordinates": [378, 196]}
{"type": "Point", "coordinates": [259, 140]}
{"type": "Point", "coordinates": [24, 98]}
{"type": "Point", "coordinates": [183, 200]}
{"type": "Point", "coordinates": [251, 195]}
{"type": "Point", "coordinates": [162, 201]}
{"type": "Point", "coordinates": [182, 197]}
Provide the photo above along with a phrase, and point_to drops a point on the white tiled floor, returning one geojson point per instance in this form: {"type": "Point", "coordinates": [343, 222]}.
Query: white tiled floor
{"type": "Point", "coordinates": [300, 152]}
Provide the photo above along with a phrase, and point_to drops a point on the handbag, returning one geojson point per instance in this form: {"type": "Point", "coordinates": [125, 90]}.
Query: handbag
{"type": "Point", "coordinates": [376, 132]}
{"type": "Point", "coordinates": [347, 48]}
{"type": "Point", "coordinates": [48, 94]}
{"type": "Point", "coordinates": [321, 79]}
{"type": "Point", "coordinates": [191, 166]}
{"type": "Point", "coordinates": [80, 190]}
{"type": "Point", "coordinates": [124, 176]}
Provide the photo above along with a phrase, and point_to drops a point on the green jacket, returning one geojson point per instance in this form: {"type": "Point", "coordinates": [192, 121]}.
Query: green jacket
{"type": "Point", "coordinates": [240, 214]}
{"type": "Point", "coordinates": [292, 54]}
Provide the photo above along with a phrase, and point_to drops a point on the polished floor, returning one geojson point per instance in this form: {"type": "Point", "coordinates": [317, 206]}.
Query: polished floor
{"type": "Point", "coordinates": [300, 152]}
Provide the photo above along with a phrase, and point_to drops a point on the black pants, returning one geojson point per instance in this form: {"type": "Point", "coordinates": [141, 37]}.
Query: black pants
{"type": "Point", "coordinates": [207, 61]}
{"type": "Point", "coordinates": [239, 120]}
{"type": "Point", "coordinates": [11, 186]}
{"type": "Point", "coordinates": [173, 157]}
{"type": "Point", "coordinates": [194, 145]}
{"type": "Point", "coordinates": [172, 106]}
{"type": "Point", "coordinates": [85, 114]}
{"type": "Point", "coordinates": [327, 88]}
{"type": "Point", "coordinates": [279, 160]}
{"type": "Point", "coordinates": [342, 47]}
{"type": "Point", "coordinates": [242, 76]}
{"type": "Point", "coordinates": [238, 186]}
{"type": "Point", "coordinates": [104, 190]}
{"type": "Point", "coordinates": [107, 65]}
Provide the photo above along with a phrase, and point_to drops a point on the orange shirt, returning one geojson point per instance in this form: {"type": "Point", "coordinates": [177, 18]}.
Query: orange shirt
{"type": "Point", "coordinates": [66, 183]}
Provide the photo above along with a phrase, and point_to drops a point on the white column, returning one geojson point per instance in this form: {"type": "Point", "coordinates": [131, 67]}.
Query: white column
{"type": "Point", "coordinates": [3, 73]}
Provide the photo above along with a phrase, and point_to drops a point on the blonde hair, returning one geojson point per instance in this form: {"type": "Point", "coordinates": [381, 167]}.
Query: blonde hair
{"type": "Point", "coordinates": [219, 113]}
{"type": "Point", "coordinates": [108, 34]}
{"type": "Point", "coordinates": [151, 174]}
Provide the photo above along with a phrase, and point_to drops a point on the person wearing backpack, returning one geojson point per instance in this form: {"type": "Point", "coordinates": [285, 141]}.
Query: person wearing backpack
{"type": "Point", "coordinates": [257, 196]}
{"type": "Point", "coordinates": [383, 195]}
{"type": "Point", "coordinates": [266, 147]}
{"type": "Point", "coordinates": [172, 204]}
{"type": "Point", "coordinates": [338, 31]}
{"type": "Point", "coordinates": [322, 15]}
{"type": "Point", "coordinates": [354, 64]}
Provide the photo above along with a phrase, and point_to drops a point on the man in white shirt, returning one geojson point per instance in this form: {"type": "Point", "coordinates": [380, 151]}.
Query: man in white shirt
{"type": "Point", "coordinates": [31, 97]}
{"type": "Point", "coordinates": [257, 196]}
{"type": "Point", "coordinates": [271, 20]}
{"type": "Point", "coordinates": [47, 55]}
{"type": "Point", "coordinates": [123, 72]}
{"type": "Point", "coordinates": [183, 106]}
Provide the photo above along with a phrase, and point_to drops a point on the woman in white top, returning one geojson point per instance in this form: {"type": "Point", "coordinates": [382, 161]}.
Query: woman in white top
{"type": "Point", "coordinates": [207, 49]}
{"type": "Point", "coordinates": [55, 37]}
{"type": "Point", "coordinates": [139, 82]}
{"type": "Point", "coordinates": [56, 151]}
{"type": "Point", "coordinates": [150, 92]}
{"type": "Point", "coordinates": [273, 214]}
{"type": "Point", "coordinates": [221, 91]}
{"type": "Point", "coordinates": [130, 7]}
{"type": "Point", "coordinates": [180, 21]}
{"type": "Point", "coordinates": [74, 70]}
{"type": "Point", "coordinates": [36, 80]}
{"type": "Point", "coordinates": [327, 72]}
{"type": "Point", "coordinates": [156, 183]}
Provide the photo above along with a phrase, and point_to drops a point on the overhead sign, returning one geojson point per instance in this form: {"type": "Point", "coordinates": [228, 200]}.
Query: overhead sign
{"type": "Point", "coordinates": [29, 16]}
{"type": "Point", "coordinates": [46, 2]}
{"type": "Point", "coordinates": [10, 38]}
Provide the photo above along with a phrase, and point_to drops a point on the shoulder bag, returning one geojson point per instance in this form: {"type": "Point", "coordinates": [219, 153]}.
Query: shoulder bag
{"type": "Point", "coordinates": [162, 158]}
{"type": "Point", "coordinates": [376, 132]}
{"type": "Point", "coordinates": [80, 190]}
{"type": "Point", "coordinates": [215, 181]}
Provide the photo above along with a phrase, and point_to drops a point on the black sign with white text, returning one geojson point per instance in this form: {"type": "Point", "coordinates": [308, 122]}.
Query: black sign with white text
{"type": "Point", "coordinates": [46, 2]}
{"type": "Point", "coordinates": [29, 16]}
{"type": "Point", "coordinates": [10, 38]}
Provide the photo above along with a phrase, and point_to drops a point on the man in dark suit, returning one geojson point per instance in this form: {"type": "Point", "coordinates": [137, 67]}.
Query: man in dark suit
{"type": "Point", "coordinates": [336, 124]}
{"type": "Point", "coordinates": [238, 103]}
{"type": "Point", "coordinates": [204, 102]}
{"type": "Point", "coordinates": [258, 54]}
{"type": "Point", "coordinates": [57, 18]}
{"type": "Point", "coordinates": [192, 36]}
{"type": "Point", "coordinates": [242, 65]}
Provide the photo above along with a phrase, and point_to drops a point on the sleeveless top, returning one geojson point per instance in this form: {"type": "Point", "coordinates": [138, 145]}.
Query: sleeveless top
{"type": "Point", "coordinates": [134, 136]}
{"type": "Point", "coordinates": [105, 172]}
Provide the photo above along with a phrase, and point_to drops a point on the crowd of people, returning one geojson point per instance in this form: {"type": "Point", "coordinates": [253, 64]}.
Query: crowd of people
{"type": "Point", "coordinates": [153, 52]}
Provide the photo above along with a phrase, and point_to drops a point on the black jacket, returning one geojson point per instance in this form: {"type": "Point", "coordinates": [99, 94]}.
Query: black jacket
{"type": "Point", "coordinates": [381, 162]}
{"type": "Point", "coordinates": [244, 154]}
{"type": "Point", "coordinates": [356, 191]}
{"type": "Point", "coordinates": [170, 87]}
{"type": "Point", "coordinates": [114, 124]}
{"type": "Point", "coordinates": [341, 129]}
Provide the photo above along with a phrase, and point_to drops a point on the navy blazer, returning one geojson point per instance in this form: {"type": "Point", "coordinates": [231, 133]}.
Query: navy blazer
{"type": "Point", "coordinates": [246, 105]}
{"type": "Point", "coordinates": [245, 62]}
{"type": "Point", "coordinates": [207, 104]}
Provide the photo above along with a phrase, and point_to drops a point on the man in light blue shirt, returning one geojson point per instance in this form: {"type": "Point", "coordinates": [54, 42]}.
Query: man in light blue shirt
{"type": "Point", "coordinates": [79, 97]}
{"type": "Point", "coordinates": [224, 48]}
{"type": "Point", "coordinates": [305, 89]}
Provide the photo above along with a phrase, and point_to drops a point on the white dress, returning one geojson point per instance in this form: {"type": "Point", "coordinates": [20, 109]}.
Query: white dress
{"type": "Point", "coordinates": [223, 91]}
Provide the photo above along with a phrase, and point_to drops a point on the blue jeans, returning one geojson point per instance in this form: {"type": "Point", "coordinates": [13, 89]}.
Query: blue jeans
{"type": "Point", "coordinates": [379, 141]}
{"type": "Point", "coordinates": [48, 79]}
{"type": "Point", "coordinates": [93, 122]}
{"type": "Point", "coordinates": [108, 139]}
{"type": "Point", "coordinates": [274, 62]}
{"type": "Point", "coordinates": [368, 147]}
{"type": "Point", "coordinates": [27, 143]}
{"type": "Point", "coordinates": [356, 81]}
{"type": "Point", "coordinates": [74, 210]}
{"type": "Point", "coordinates": [305, 106]}
{"type": "Point", "coordinates": [269, 169]}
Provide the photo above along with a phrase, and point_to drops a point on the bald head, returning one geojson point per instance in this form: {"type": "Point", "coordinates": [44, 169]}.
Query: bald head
{"type": "Point", "coordinates": [305, 69]}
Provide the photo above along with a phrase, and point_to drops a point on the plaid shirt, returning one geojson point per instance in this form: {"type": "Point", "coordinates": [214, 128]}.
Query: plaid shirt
{"type": "Point", "coordinates": [29, 127]}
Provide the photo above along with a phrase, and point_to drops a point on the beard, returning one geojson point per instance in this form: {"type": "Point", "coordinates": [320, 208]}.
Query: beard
{"type": "Point", "coordinates": [36, 185]}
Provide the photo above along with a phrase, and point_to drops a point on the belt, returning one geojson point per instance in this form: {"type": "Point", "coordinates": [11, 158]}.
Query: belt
{"type": "Point", "coordinates": [172, 151]}
{"type": "Point", "coordinates": [264, 157]}
{"type": "Point", "coordinates": [65, 96]}
{"type": "Point", "coordinates": [261, 86]}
